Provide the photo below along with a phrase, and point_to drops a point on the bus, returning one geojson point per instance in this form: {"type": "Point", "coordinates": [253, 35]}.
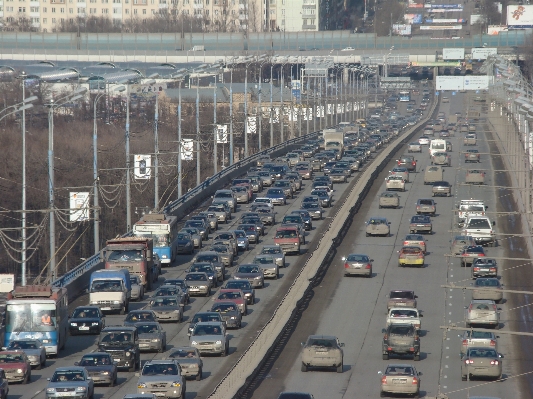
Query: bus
{"type": "Point", "coordinates": [38, 312]}
{"type": "Point", "coordinates": [405, 96]}
{"type": "Point", "coordinates": [163, 230]}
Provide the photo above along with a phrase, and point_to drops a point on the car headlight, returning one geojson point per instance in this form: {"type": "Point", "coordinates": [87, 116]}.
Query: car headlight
{"type": "Point", "coordinates": [116, 302]}
{"type": "Point", "coordinates": [194, 343]}
{"type": "Point", "coordinates": [128, 354]}
{"type": "Point", "coordinates": [164, 256]}
{"type": "Point", "coordinates": [19, 371]}
{"type": "Point", "coordinates": [104, 372]}
{"type": "Point", "coordinates": [232, 317]}
{"type": "Point", "coordinates": [156, 340]}
{"type": "Point", "coordinates": [95, 323]}
{"type": "Point", "coordinates": [94, 302]}
{"type": "Point", "coordinates": [176, 384]}
{"type": "Point", "coordinates": [141, 385]}
{"type": "Point", "coordinates": [218, 342]}
{"type": "Point", "coordinates": [74, 324]}
{"type": "Point", "coordinates": [46, 341]}
{"type": "Point", "coordinates": [257, 278]}
{"type": "Point", "coordinates": [50, 390]}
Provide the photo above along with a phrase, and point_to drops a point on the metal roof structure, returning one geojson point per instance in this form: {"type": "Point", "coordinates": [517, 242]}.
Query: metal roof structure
{"type": "Point", "coordinates": [57, 75]}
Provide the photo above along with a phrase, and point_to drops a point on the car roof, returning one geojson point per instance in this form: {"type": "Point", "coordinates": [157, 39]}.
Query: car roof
{"type": "Point", "coordinates": [322, 337]}
{"type": "Point", "coordinates": [488, 301]}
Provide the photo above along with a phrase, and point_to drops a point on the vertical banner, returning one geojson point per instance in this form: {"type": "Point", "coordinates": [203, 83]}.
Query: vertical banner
{"type": "Point", "coordinates": [142, 167]}
{"type": "Point", "coordinates": [251, 125]}
{"type": "Point", "coordinates": [320, 111]}
{"type": "Point", "coordinates": [79, 206]}
{"type": "Point", "coordinates": [222, 134]}
{"type": "Point", "coordinates": [330, 109]}
{"type": "Point", "coordinates": [187, 149]}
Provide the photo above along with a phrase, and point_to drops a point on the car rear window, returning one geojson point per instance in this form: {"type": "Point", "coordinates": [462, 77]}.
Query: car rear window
{"type": "Point", "coordinates": [479, 224]}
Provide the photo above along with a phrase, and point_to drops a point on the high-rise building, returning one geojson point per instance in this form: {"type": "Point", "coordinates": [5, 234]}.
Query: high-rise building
{"type": "Point", "coordinates": [291, 15]}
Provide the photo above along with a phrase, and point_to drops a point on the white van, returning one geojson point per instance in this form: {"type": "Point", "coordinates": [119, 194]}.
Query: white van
{"type": "Point", "coordinates": [480, 229]}
{"type": "Point", "coordinates": [437, 145]}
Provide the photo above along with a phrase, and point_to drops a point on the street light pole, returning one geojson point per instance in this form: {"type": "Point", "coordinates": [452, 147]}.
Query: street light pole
{"type": "Point", "coordinates": [246, 110]}
{"type": "Point", "coordinates": [95, 177]}
{"type": "Point", "coordinates": [215, 148]}
{"type": "Point", "coordinates": [271, 106]}
{"type": "Point", "coordinates": [156, 151]}
{"type": "Point", "coordinates": [179, 139]}
{"type": "Point", "coordinates": [23, 232]}
{"type": "Point", "coordinates": [198, 172]}
{"type": "Point", "coordinates": [128, 172]}
{"type": "Point", "coordinates": [231, 115]}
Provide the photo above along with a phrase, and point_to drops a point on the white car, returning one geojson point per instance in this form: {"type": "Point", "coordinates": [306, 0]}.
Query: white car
{"type": "Point", "coordinates": [264, 201]}
{"type": "Point", "coordinates": [404, 316]}
{"type": "Point", "coordinates": [423, 140]}
{"type": "Point", "coordinates": [348, 49]}
{"type": "Point", "coordinates": [395, 182]}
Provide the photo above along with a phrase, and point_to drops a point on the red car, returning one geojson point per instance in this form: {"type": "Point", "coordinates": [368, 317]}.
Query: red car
{"type": "Point", "coordinates": [16, 366]}
{"type": "Point", "coordinates": [233, 295]}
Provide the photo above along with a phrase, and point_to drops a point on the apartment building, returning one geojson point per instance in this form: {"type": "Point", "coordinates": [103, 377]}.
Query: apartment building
{"type": "Point", "coordinates": [292, 15]}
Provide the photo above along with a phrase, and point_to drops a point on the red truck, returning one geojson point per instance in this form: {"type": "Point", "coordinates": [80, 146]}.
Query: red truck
{"type": "Point", "coordinates": [132, 253]}
{"type": "Point", "coordinates": [288, 238]}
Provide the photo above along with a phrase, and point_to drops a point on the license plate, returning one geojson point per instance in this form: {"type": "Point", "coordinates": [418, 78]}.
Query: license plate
{"type": "Point", "coordinates": [116, 360]}
{"type": "Point", "coordinates": [421, 225]}
{"type": "Point", "coordinates": [106, 308]}
{"type": "Point", "coordinates": [143, 345]}
{"type": "Point", "coordinates": [484, 270]}
{"type": "Point", "coordinates": [65, 394]}
{"type": "Point", "coordinates": [84, 328]}
{"type": "Point", "coordinates": [399, 381]}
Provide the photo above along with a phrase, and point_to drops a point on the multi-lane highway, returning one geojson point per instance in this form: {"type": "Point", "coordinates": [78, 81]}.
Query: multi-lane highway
{"type": "Point", "coordinates": [354, 309]}
{"type": "Point", "coordinates": [214, 367]}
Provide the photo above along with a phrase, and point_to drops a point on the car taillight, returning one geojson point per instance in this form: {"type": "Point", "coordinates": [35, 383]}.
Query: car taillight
{"type": "Point", "coordinates": [494, 307]}
{"type": "Point", "coordinates": [415, 381]}
{"type": "Point", "coordinates": [468, 361]}
{"type": "Point", "coordinates": [476, 269]}
{"type": "Point", "coordinates": [413, 163]}
{"type": "Point", "coordinates": [384, 380]}
{"type": "Point", "coordinates": [494, 362]}
{"type": "Point", "coordinates": [493, 269]}
{"type": "Point", "coordinates": [405, 243]}
{"type": "Point", "coordinates": [368, 266]}
{"type": "Point", "coordinates": [469, 308]}
{"type": "Point", "coordinates": [492, 342]}
{"type": "Point", "coordinates": [465, 342]}
{"type": "Point", "coordinates": [389, 348]}
{"type": "Point", "coordinates": [385, 337]}
{"type": "Point", "coordinates": [420, 255]}
{"type": "Point", "coordinates": [421, 243]}
{"type": "Point", "coordinates": [346, 265]}
{"type": "Point", "coordinates": [417, 207]}
{"type": "Point", "coordinates": [399, 163]}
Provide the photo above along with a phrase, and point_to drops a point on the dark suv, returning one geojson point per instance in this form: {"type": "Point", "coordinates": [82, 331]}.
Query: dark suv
{"type": "Point", "coordinates": [122, 343]}
{"type": "Point", "coordinates": [401, 339]}
{"type": "Point", "coordinates": [408, 161]}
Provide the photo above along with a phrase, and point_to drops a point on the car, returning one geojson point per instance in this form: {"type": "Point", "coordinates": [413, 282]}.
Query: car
{"type": "Point", "coordinates": [415, 240]}
{"type": "Point", "coordinates": [420, 223]}
{"type": "Point", "coordinates": [162, 377]}
{"type": "Point", "coordinates": [401, 299]}
{"type": "Point", "coordinates": [189, 360]}
{"type": "Point", "coordinates": [389, 200]}
{"type": "Point", "coordinates": [222, 212]}
{"type": "Point", "coordinates": [378, 226]}
{"type": "Point", "coordinates": [400, 171]}
{"type": "Point", "coordinates": [415, 146]}
{"type": "Point", "coordinates": [400, 378]}
{"type": "Point", "coordinates": [122, 343]}
{"type": "Point", "coordinates": [357, 264]}
{"type": "Point", "coordinates": [229, 312]}
{"type": "Point", "coordinates": [171, 290]}
{"type": "Point", "coordinates": [408, 161]}
{"type": "Point", "coordinates": [152, 337]}
{"type": "Point", "coordinates": [488, 288]}
{"type": "Point", "coordinates": [100, 367]}
{"type": "Point", "coordinates": [198, 284]}
{"type": "Point", "coordinates": [251, 232]}
{"type": "Point", "coordinates": [137, 288]}
{"type": "Point", "coordinates": [482, 312]}
{"type": "Point", "coordinates": [470, 253]}
{"type": "Point", "coordinates": [426, 206]}
{"type": "Point", "coordinates": [475, 338]}
{"type": "Point", "coordinates": [209, 337]}
{"type": "Point", "coordinates": [166, 308]}
{"type": "Point", "coordinates": [404, 315]}
{"type": "Point", "coordinates": [267, 263]}
{"type": "Point", "coordinates": [216, 261]}
{"type": "Point", "coordinates": [135, 316]}
{"type": "Point", "coordinates": [243, 243]}
{"type": "Point", "coordinates": [207, 268]}
{"type": "Point", "coordinates": [322, 351]}
{"type": "Point", "coordinates": [241, 194]}
{"type": "Point", "coordinates": [338, 175]}
{"type": "Point", "coordinates": [314, 208]}
{"type": "Point", "coordinates": [265, 214]}
{"type": "Point", "coordinates": [472, 156]}
{"type": "Point", "coordinates": [441, 158]}
{"type": "Point", "coordinates": [411, 256]}
{"type": "Point", "coordinates": [180, 283]}
{"type": "Point", "coordinates": [295, 395]}
{"type": "Point", "coordinates": [323, 197]}
{"type": "Point", "coordinates": [424, 140]}
{"type": "Point", "coordinates": [470, 139]}
{"type": "Point", "coordinates": [324, 179]}
{"type": "Point", "coordinates": [264, 201]}
{"type": "Point", "coordinates": [225, 252]}
{"type": "Point", "coordinates": [277, 195]}
{"type": "Point", "coordinates": [212, 219]}
{"type": "Point", "coordinates": [195, 235]}
{"type": "Point", "coordinates": [4, 385]}
{"type": "Point", "coordinates": [72, 378]}
{"type": "Point", "coordinates": [225, 196]}
{"type": "Point", "coordinates": [86, 320]}
{"type": "Point", "coordinates": [395, 182]}
{"type": "Point", "coordinates": [233, 295]}
{"type": "Point", "coordinates": [441, 188]}
{"type": "Point", "coordinates": [251, 272]}
{"type": "Point", "coordinates": [33, 348]}
{"type": "Point", "coordinates": [201, 225]}
{"type": "Point", "coordinates": [16, 365]}
{"type": "Point", "coordinates": [484, 267]}
{"type": "Point", "coordinates": [475, 176]}
{"type": "Point", "coordinates": [460, 242]}
{"type": "Point", "coordinates": [401, 339]}
{"type": "Point", "coordinates": [276, 252]}
{"type": "Point", "coordinates": [227, 238]}
{"type": "Point", "coordinates": [481, 362]}
{"type": "Point", "coordinates": [185, 243]}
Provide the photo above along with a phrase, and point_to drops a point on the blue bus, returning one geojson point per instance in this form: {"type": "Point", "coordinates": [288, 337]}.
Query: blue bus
{"type": "Point", "coordinates": [38, 312]}
{"type": "Point", "coordinates": [163, 230]}
{"type": "Point", "coordinates": [405, 96]}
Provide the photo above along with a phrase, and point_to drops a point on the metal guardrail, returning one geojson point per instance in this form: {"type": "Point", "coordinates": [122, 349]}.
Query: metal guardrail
{"type": "Point", "coordinates": [267, 336]}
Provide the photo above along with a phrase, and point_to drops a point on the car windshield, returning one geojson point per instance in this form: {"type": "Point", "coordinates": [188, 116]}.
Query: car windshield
{"type": "Point", "coordinates": [229, 295]}
{"type": "Point", "coordinates": [285, 234]}
{"type": "Point", "coordinates": [207, 330]}
{"type": "Point", "coordinates": [95, 360]}
{"type": "Point", "coordinates": [224, 195]}
{"type": "Point", "coordinates": [67, 375]}
{"type": "Point", "coordinates": [376, 221]}
{"type": "Point", "coordinates": [401, 330]}
{"type": "Point", "coordinates": [183, 354]}
{"type": "Point", "coordinates": [116, 337]}
{"type": "Point", "coordinates": [357, 258]}
{"type": "Point", "coordinates": [487, 282]}
{"type": "Point", "coordinates": [126, 255]}
{"type": "Point", "coordinates": [202, 268]}
{"type": "Point", "coordinates": [196, 277]}
{"type": "Point", "coordinates": [224, 237]}
{"type": "Point", "coordinates": [399, 370]}
{"type": "Point", "coordinates": [322, 342]}
{"type": "Point", "coordinates": [241, 284]}
{"type": "Point", "coordinates": [223, 308]}
{"type": "Point", "coordinates": [248, 269]}
{"type": "Point", "coordinates": [158, 369]}
{"type": "Point", "coordinates": [479, 334]}
{"type": "Point", "coordinates": [164, 302]}
{"type": "Point", "coordinates": [16, 345]}
{"type": "Point", "coordinates": [11, 358]}
{"type": "Point", "coordinates": [426, 202]}
{"type": "Point", "coordinates": [219, 248]}
{"type": "Point", "coordinates": [271, 250]}
{"type": "Point", "coordinates": [411, 250]}
{"type": "Point", "coordinates": [275, 191]}
{"type": "Point", "coordinates": [140, 316]}
{"type": "Point", "coordinates": [482, 353]}
{"type": "Point", "coordinates": [479, 224]}
{"type": "Point", "coordinates": [183, 237]}
{"type": "Point", "coordinates": [82, 313]}
{"type": "Point", "coordinates": [163, 291]}
{"type": "Point", "coordinates": [401, 295]}
{"type": "Point", "coordinates": [414, 237]}
{"type": "Point", "coordinates": [475, 250]}
{"type": "Point", "coordinates": [404, 313]}
{"type": "Point", "coordinates": [147, 328]}
{"type": "Point", "coordinates": [292, 219]}
{"type": "Point", "coordinates": [420, 219]}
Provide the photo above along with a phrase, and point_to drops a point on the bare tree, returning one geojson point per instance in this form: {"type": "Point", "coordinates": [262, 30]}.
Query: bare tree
{"type": "Point", "coordinates": [388, 13]}
{"type": "Point", "coordinates": [254, 17]}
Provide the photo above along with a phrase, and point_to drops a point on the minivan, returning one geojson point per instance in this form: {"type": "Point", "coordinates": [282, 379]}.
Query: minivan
{"type": "Point", "coordinates": [436, 145]}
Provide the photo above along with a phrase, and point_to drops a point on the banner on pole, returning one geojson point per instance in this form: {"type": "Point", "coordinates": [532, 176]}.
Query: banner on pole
{"type": "Point", "coordinates": [222, 134]}
{"type": "Point", "coordinates": [251, 125]}
{"type": "Point", "coordinates": [79, 206]}
{"type": "Point", "coordinates": [187, 149]}
{"type": "Point", "coordinates": [142, 167]}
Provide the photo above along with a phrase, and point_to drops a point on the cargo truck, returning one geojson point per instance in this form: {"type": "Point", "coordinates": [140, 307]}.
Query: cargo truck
{"type": "Point", "coordinates": [334, 140]}
{"type": "Point", "coordinates": [110, 290]}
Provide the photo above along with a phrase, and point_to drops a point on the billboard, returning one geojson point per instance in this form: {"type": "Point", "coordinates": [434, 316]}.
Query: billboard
{"type": "Point", "coordinates": [453, 53]}
{"type": "Point", "coordinates": [496, 29]}
{"type": "Point", "coordinates": [222, 134]}
{"type": "Point", "coordinates": [481, 53]}
{"type": "Point", "coordinates": [79, 206]}
{"type": "Point", "coordinates": [187, 149]}
{"type": "Point", "coordinates": [401, 29]}
{"type": "Point", "coordinates": [476, 19]}
{"type": "Point", "coordinates": [7, 282]}
{"type": "Point", "coordinates": [141, 166]}
{"type": "Point", "coordinates": [413, 18]}
{"type": "Point", "coordinates": [251, 125]}
{"type": "Point", "coordinates": [476, 82]}
{"type": "Point", "coordinates": [443, 6]}
{"type": "Point", "coordinates": [441, 27]}
{"type": "Point", "coordinates": [520, 15]}
{"type": "Point", "coordinates": [445, 21]}
{"type": "Point", "coordinates": [443, 10]}
{"type": "Point", "coordinates": [449, 83]}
